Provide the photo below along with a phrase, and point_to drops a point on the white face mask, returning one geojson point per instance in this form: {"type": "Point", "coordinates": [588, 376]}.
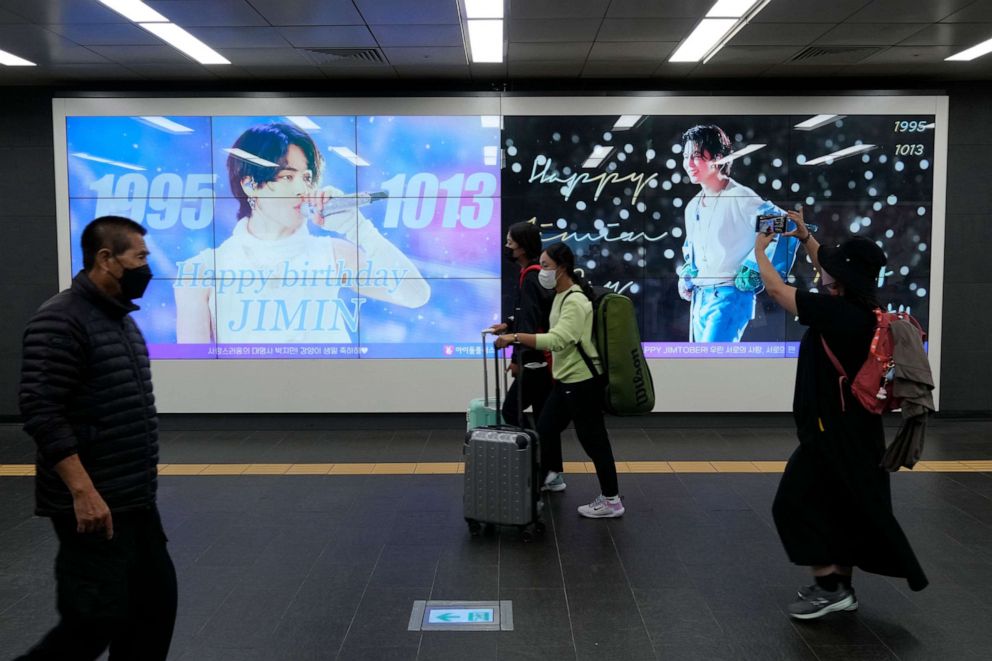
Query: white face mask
{"type": "Point", "coordinates": [547, 278]}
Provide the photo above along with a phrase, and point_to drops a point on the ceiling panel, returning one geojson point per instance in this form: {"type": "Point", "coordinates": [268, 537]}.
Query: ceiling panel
{"type": "Point", "coordinates": [362, 72]}
{"type": "Point", "coordinates": [620, 69]}
{"type": "Point", "coordinates": [449, 71]}
{"type": "Point", "coordinates": [418, 35]}
{"type": "Point", "coordinates": [61, 11]}
{"type": "Point", "coordinates": [901, 11]}
{"type": "Point", "coordinates": [336, 36]}
{"type": "Point", "coordinates": [779, 34]}
{"type": "Point", "coordinates": [868, 34]}
{"type": "Point", "coordinates": [950, 34]}
{"type": "Point", "coordinates": [247, 57]}
{"type": "Point", "coordinates": [220, 13]}
{"type": "Point", "coordinates": [104, 34]}
{"type": "Point", "coordinates": [324, 12]}
{"type": "Point", "coordinates": [11, 17]}
{"type": "Point", "coordinates": [538, 69]}
{"type": "Point", "coordinates": [911, 56]}
{"type": "Point", "coordinates": [244, 37]}
{"type": "Point", "coordinates": [130, 55]}
{"type": "Point", "coordinates": [553, 30]}
{"type": "Point", "coordinates": [426, 56]}
{"type": "Point", "coordinates": [977, 11]}
{"type": "Point", "coordinates": [647, 29]}
{"type": "Point", "coordinates": [659, 8]}
{"type": "Point", "coordinates": [752, 55]}
{"type": "Point", "coordinates": [632, 51]}
{"type": "Point", "coordinates": [179, 72]}
{"type": "Point", "coordinates": [44, 47]}
{"type": "Point", "coordinates": [549, 52]}
{"type": "Point", "coordinates": [418, 12]}
{"type": "Point", "coordinates": [808, 11]}
{"type": "Point", "coordinates": [803, 72]}
{"type": "Point", "coordinates": [558, 8]}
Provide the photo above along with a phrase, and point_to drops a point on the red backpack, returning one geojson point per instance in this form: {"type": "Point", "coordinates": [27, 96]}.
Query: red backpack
{"type": "Point", "coordinates": [872, 385]}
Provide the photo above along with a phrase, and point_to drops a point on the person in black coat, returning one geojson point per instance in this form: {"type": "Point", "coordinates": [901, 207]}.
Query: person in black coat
{"type": "Point", "coordinates": [833, 508]}
{"type": "Point", "coordinates": [86, 399]}
{"type": "Point", "coordinates": [529, 313]}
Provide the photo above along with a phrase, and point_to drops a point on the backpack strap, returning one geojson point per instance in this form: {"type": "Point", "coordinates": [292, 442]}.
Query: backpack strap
{"type": "Point", "coordinates": [525, 271]}
{"type": "Point", "coordinates": [839, 368]}
{"type": "Point", "coordinates": [578, 344]}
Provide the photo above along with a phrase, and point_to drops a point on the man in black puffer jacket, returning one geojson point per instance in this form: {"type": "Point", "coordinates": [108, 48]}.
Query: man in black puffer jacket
{"type": "Point", "coordinates": [86, 398]}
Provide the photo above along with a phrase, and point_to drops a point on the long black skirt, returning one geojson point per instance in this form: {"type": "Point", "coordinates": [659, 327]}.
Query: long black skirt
{"type": "Point", "coordinates": [834, 505]}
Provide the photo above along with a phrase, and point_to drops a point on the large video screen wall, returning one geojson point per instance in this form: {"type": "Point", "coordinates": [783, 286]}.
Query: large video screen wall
{"type": "Point", "coordinates": [376, 236]}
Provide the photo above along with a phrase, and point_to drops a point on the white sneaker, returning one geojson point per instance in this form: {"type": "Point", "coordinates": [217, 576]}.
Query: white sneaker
{"type": "Point", "coordinates": [553, 482]}
{"type": "Point", "coordinates": [603, 508]}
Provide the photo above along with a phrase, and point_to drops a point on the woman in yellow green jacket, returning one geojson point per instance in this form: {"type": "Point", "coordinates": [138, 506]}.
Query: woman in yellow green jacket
{"type": "Point", "coordinates": [577, 395]}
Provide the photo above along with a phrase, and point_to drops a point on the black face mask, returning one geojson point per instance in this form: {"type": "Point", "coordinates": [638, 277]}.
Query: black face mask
{"type": "Point", "coordinates": [134, 282]}
{"type": "Point", "coordinates": [508, 253]}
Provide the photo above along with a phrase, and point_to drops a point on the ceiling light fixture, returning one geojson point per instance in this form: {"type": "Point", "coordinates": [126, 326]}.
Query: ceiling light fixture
{"type": "Point", "coordinates": [182, 40]}
{"type": "Point", "coordinates": [970, 54]}
{"type": "Point", "coordinates": [485, 39]}
{"type": "Point", "coordinates": [483, 9]}
{"type": "Point", "coordinates": [731, 8]}
{"type": "Point", "coordinates": [11, 60]}
{"type": "Point", "coordinates": [135, 11]}
{"type": "Point", "coordinates": [816, 122]}
{"type": "Point", "coordinates": [842, 153]}
{"type": "Point", "coordinates": [724, 20]}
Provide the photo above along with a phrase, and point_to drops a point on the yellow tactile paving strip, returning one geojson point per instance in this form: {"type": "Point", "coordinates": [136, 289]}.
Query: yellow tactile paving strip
{"type": "Point", "coordinates": [451, 468]}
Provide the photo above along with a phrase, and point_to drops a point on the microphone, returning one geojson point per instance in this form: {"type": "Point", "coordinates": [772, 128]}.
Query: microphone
{"type": "Point", "coordinates": [345, 203]}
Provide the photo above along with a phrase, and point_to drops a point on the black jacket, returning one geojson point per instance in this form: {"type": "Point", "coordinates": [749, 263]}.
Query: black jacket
{"type": "Point", "coordinates": [86, 389]}
{"type": "Point", "coordinates": [531, 311]}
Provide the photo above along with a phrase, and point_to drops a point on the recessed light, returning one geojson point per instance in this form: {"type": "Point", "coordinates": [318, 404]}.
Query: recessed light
{"type": "Point", "coordinates": [182, 40]}
{"type": "Point", "coordinates": [483, 8]}
{"type": "Point", "coordinates": [485, 40]}
{"type": "Point", "coordinates": [971, 53]}
{"type": "Point", "coordinates": [135, 11]}
{"type": "Point", "coordinates": [11, 60]}
{"type": "Point", "coordinates": [703, 39]}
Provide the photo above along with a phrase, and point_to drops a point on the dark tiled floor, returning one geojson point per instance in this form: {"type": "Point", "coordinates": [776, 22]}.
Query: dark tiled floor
{"type": "Point", "coordinates": [317, 567]}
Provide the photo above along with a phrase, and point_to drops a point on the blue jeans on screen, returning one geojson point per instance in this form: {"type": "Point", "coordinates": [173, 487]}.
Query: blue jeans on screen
{"type": "Point", "coordinates": [720, 314]}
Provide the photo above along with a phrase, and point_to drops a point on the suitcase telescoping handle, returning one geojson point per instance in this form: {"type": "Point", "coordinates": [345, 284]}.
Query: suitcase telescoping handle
{"type": "Point", "coordinates": [485, 370]}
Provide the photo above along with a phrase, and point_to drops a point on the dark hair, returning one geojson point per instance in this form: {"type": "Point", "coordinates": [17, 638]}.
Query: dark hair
{"type": "Point", "coordinates": [711, 138]}
{"type": "Point", "coordinates": [526, 235]}
{"type": "Point", "coordinates": [562, 255]}
{"type": "Point", "coordinates": [111, 232]}
{"type": "Point", "coordinates": [269, 142]}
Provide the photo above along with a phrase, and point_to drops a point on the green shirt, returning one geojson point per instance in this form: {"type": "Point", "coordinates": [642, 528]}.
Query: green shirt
{"type": "Point", "coordinates": [571, 319]}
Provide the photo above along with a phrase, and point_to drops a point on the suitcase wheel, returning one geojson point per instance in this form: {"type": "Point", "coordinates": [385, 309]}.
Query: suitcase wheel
{"type": "Point", "coordinates": [474, 527]}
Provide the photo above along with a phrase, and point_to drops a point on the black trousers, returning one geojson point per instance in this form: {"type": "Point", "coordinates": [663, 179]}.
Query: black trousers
{"type": "Point", "coordinates": [581, 403]}
{"type": "Point", "coordinates": [119, 593]}
{"type": "Point", "coordinates": [535, 385]}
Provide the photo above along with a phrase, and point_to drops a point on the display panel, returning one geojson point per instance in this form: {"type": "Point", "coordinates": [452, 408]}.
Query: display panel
{"type": "Point", "coordinates": [406, 262]}
{"type": "Point", "coordinates": [275, 236]}
{"type": "Point", "coordinates": [663, 208]}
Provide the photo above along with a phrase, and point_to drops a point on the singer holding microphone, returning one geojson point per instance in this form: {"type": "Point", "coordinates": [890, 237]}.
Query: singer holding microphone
{"type": "Point", "coordinates": [275, 281]}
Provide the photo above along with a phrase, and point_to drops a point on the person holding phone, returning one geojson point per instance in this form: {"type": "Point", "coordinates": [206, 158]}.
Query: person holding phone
{"type": "Point", "coordinates": [293, 294]}
{"type": "Point", "coordinates": [531, 308]}
{"type": "Point", "coordinates": [833, 508]}
{"type": "Point", "coordinates": [719, 276]}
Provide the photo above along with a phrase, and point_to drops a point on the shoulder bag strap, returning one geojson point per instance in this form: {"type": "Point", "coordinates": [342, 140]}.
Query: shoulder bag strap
{"type": "Point", "coordinates": [838, 367]}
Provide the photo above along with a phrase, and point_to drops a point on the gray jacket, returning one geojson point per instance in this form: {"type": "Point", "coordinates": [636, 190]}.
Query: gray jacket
{"type": "Point", "coordinates": [913, 383]}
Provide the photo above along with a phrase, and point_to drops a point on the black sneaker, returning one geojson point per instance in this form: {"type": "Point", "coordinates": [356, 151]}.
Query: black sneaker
{"type": "Point", "coordinates": [805, 591]}
{"type": "Point", "coordinates": [818, 602]}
